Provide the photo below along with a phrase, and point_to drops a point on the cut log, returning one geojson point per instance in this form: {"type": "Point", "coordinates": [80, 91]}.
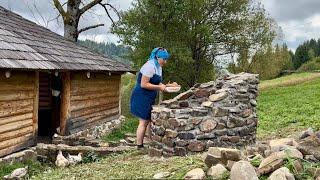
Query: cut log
{"type": "Point", "coordinates": [12, 119]}
{"type": "Point", "coordinates": [16, 133]}
{"type": "Point", "coordinates": [16, 112]}
{"type": "Point", "coordinates": [15, 95]}
{"type": "Point", "coordinates": [65, 101]}
{"type": "Point", "coordinates": [18, 140]}
{"type": "Point", "coordinates": [92, 110]}
{"type": "Point", "coordinates": [95, 102]}
{"type": "Point", "coordinates": [16, 147]}
{"type": "Point", "coordinates": [16, 125]}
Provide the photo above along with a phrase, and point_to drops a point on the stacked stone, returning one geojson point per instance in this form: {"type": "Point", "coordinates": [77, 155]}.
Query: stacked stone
{"type": "Point", "coordinates": [218, 113]}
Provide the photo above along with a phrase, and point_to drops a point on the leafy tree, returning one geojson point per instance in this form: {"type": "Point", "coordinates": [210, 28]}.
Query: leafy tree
{"type": "Point", "coordinates": [196, 32]}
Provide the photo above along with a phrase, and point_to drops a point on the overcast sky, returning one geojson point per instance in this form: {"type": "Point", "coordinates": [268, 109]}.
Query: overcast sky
{"type": "Point", "coordinates": [299, 19]}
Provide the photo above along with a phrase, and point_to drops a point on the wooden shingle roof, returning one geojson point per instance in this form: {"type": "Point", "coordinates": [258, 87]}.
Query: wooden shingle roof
{"type": "Point", "coordinates": [26, 45]}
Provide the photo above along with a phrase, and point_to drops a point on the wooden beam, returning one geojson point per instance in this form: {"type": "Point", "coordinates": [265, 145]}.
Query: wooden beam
{"type": "Point", "coordinates": [35, 106]}
{"type": "Point", "coordinates": [65, 101]}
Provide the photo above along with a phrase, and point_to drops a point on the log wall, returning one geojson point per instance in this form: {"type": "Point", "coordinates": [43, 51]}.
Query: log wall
{"type": "Point", "coordinates": [93, 100]}
{"type": "Point", "coordinates": [18, 123]}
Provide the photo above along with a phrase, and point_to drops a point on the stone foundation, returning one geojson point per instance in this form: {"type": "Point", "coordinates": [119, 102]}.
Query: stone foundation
{"type": "Point", "coordinates": [88, 136]}
{"type": "Point", "coordinates": [220, 113]}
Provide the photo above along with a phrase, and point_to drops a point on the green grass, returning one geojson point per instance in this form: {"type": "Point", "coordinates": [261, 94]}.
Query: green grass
{"type": "Point", "coordinates": [293, 79]}
{"type": "Point", "coordinates": [34, 167]}
{"type": "Point", "coordinates": [128, 126]}
{"type": "Point", "coordinates": [131, 165]}
{"type": "Point", "coordinates": [288, 110]}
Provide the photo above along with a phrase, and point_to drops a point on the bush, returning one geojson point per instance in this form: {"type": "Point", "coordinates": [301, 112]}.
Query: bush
{"type": "Point", "coordinates": [312, 65]}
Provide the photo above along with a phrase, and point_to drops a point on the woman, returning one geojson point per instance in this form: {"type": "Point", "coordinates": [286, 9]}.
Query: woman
{"type": "Point", "coordinates": [145, 92]}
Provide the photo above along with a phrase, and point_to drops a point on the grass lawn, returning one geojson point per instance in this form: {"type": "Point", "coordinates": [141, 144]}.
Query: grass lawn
{"type": "Point", "coordinates": [131, 165]}
{"type": "Point", "coordinates": [283, 111]}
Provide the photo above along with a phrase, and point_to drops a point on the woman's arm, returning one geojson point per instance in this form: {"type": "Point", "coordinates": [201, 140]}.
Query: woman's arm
{"type": "Point", "coordinates": [147, 85]}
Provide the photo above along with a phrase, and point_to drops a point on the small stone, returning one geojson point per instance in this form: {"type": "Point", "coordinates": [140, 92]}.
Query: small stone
{"type": "Point", "coordinates": [208, 125]}
{"type": "Point", "coordinates": [217, 171]}
{"type": "Point", "coordinates": [207, 104]}
{"type": "Point", "coordinates": [184, 95]}
{"type": "Point", "coordinates": [220, 126]}
{"type": "Point", "coordinates": [154, 152]}
{"type": "Point", "coordinates": [218, 97]}
{"type": "Point", "coordinates": [310, 146]}
{"type": "Point", "coordinates": [201, 93]}
{"type": "Point", "coordinates": [311, 158]}
{"type": "Point", "coordinates": [168, 142]}
{"type": "Point", "coordinates": [161, 175]}
{"type": "Point", "coordinates": [234, 139]}
{"type": "Point", "coordinates": [246, 113]}
{"type": "Point", "coordinates": [253, 102]}
{"type": "Point", "coordinates": [281, 174]}
{"type": "Point", "coordinates": [306, 133]}
{"type": "Point", "coordinates": [219, 112]}
{"type": "Point", "coordinates": [283, 141]}
{"type": "Point", "coordinates": [196, 146]}
{"type": "Point", "coordinates": [171, 133]}
{"type": "Point", "coordinates": [173, 122]}
{"type": "Point", "coordinates": [181, 143]}
{"type": "Point", "coordinates": [196, 121]}
{"type": "Point", "coordinates": [183, 104]}
{"type": "Point", "coordinates": [197, 173]}
{"type": "Point", "coordinates": [243, 170]}
{"type": "Point", "coordinates": [186, 135]}
{"type": "Point", "coordinates": [180, 151]}
{"type": "Point", "coordinates": [230, 164]}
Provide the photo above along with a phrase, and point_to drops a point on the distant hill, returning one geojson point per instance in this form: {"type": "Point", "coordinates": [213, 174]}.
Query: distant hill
{"type": "Point", "coordinates": [116, 52]}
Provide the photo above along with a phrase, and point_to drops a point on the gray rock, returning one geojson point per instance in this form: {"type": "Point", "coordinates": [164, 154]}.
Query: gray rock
{"type": "Point", "coordinates": [197, 173]}
{"type": "Point", "coordinates": [281, 174]}
{"type": "Point", "coordinates": [243, 170]}
{"type": "Point", "coordinates": [218, 97]}
{"type": "Point", "coordinates": [161, 175]}
{"type": "Point", "coordinates": [217, 172]}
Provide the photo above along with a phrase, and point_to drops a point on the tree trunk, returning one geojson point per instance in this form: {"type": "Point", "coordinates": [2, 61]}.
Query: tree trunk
{"type": "Point", "coordinates": [71, 20]}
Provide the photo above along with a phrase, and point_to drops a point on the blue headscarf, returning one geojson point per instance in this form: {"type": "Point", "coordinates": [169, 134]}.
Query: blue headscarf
{"type": "Point", "coordinates": [159, 53]}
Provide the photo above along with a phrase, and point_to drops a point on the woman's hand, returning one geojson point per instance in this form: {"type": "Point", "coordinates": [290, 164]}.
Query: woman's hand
{"type": "Point", "coordinates": [162, 87]}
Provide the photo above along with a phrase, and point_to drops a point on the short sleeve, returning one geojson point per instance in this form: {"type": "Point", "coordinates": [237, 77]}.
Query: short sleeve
{"type": "Point", "coordinates": [148, 70]}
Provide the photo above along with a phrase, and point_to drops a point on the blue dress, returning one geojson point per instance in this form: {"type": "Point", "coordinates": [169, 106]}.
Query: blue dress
{"type": "Point", "coordinates": [142, 99]}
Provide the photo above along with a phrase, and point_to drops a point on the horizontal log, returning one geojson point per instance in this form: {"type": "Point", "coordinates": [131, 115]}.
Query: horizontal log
{"type": "Point", "coordinates": [82, 76]}
{"type": "Point", "coordinates": [89, 103]}
{"type": "Point", "coordinates": [16, 112]}
{"type": "Point", "coordinates": [20, 87]}
{"type": "Point", "coordinates": [93, 89]}
{"type": "Point", "coordinates": [93, 109]}
{"type": "Point", "coordinates": [18, 77]}
{"type": "Point", "coordinates": [104, 112]}
{"type": "Point", "coordinates": [106, 115]}
{"type": "Point", "coordinates": [12, 119]}
{"type": "Point", "coordinates": [17, 147]}
{"type": "Point", "coordinates": [12, 105]}
{"type": "Point", "coordinates": [94, 96]}
{"type": "Point", "coordinates": [20, 140]}
{"type": "Point", "coordinates": [15, 95]}
{"type": "Point", "coordinates": [15, 125]}
{"type": "Point", "coordinates": [16, 133]}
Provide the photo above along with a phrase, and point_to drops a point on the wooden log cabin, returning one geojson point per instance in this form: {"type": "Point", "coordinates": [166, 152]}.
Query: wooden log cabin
{"type": "Point", "coordinates": [47, 82]}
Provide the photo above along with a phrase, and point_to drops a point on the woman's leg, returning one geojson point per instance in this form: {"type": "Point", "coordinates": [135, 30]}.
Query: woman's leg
{"type": "Point", "coordinates": [141, 131]}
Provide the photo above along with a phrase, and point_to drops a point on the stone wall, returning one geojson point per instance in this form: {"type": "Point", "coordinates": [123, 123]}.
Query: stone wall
{"type": "Point", "coordinates": [88, 136]}
{"type": "Point", "coordinates": [218, 113]}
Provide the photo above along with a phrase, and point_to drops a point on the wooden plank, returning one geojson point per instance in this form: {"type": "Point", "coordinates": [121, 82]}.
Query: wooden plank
{"type": "Point", "coordinates": [15, 125]}
{"type": "Point", "coordinates": [16, 133]}
{"type": "Point", "coordinates": [18, 140]}
{"type": "Point", "coordinates": [15, 95]}
{"type": "Point", "coordinates": [12, 119]}
{"type": "Point", "coordinates": [89, 103]}
{"type": "Point", "coordinates": [16, 147]}
{"type": "Point", "coordinates": [94, 96]}
{"type": "Point", "coordinates": [98, 113]}
{"type": "Point", "coordinates": [91, 110]}
{"type": "Point", "coordinates": [19, 111]}
{"type": "Point", "coordinates": [93, 89]}
{"type": "Point", "coordinates": [65, 101]}
{"type": "Point", "coordinates": [35, 105]}
{"type": "Point", "coordinates": [16, 86]}
{"type": "Point", "coordinates": [9, 105]}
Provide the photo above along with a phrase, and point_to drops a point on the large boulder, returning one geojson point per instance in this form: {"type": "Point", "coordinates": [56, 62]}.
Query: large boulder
{"type": "Point", "coordinates": [281, 174]}
{"type": "Point", "coordinates": [276, 160]}
{"type": "Point", "coordinates": [243, 170]}
{"type": "Point", "coordinates": [197, 173]}
{"type": "Point", "coordinates": [217, 172]}
{"type": "Point", "coordinates": [310, 146]}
